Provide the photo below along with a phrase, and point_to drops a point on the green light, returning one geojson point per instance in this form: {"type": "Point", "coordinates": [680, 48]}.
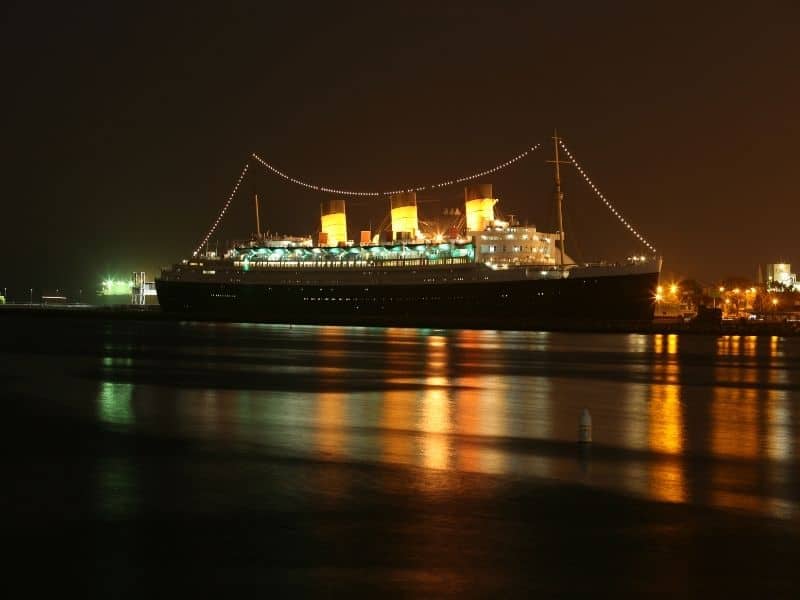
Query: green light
{"type": "Point", "coordinates": [116, 287]}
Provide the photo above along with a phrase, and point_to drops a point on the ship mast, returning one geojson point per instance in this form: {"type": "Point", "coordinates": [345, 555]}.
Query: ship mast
{"type": "Point", "coordinates": [559, 195]}
{"type": "Point", "coordinates": [258, 219]}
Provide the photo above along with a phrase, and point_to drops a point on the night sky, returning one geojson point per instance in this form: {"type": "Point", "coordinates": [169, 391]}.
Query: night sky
{"type": "Point", "coordinates": [126, 124]}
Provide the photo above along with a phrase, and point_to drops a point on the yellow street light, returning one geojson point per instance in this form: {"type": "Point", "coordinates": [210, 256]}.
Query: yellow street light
{"type": "Point", "coordinates": [721, 288]}
{"type": "Point", "coordinates": [774, 302]}
{"type": "Point", "coordinates": [660, 290]}
{"type": "Point", "coordinates": [673, 289]}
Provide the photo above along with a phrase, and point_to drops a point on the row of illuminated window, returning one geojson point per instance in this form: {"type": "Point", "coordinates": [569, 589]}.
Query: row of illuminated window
{"type": "Point", "coordinates": [350, 264]}
{"type": "Point", "coordinates": [489, 249]}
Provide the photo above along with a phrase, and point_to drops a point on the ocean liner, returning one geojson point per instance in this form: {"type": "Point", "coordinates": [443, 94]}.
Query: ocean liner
{"type": "Point", "coordinates": [483, 271]}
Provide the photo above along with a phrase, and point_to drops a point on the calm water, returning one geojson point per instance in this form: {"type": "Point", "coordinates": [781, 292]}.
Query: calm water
{"type": "Point", "coordinates": [359, 417]}
{"type": "Point", "coordinates": [503, 403]}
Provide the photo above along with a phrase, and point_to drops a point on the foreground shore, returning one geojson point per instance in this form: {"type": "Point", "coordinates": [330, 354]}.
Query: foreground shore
{"type": "Point", "coordinates": [663, 326]}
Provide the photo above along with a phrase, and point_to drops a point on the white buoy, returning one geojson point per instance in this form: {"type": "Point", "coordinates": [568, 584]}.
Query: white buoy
{"type": "Point", "coordinates": [585, 427]}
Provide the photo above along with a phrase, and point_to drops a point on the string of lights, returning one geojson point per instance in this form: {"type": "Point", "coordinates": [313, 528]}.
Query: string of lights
{"type": "Point", "coordinates": [608, 204]}
{"type": "Point", "coordinates": [421, 188]}
{"type": "Point", "coordinates": [222, 212]}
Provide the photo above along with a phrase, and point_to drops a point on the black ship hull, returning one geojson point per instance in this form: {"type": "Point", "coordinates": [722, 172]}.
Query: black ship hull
{"type": "Point", "coordinates": [543, 303]}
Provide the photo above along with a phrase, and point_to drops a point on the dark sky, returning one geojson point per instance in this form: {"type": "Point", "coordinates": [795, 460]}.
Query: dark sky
{"type": "Point", "coordinates": [125, 124]}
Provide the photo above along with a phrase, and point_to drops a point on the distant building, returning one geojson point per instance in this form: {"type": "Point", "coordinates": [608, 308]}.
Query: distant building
{"type": "Point", "coordinates": [780, 274]}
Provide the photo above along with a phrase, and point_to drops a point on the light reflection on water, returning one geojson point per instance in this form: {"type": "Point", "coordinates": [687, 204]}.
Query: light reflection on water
{"type": "Point", "coordinates": [116, 477]}
{"type": "Point", "coordinates": [666, 421]}
{"type": "Point", "coordinates": [500, 403]}
{"type": "Point", "coordinates": [114, 399]}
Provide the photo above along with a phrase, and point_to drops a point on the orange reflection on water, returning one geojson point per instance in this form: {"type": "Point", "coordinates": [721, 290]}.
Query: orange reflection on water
{"type": "Point", "coordinates": [479, 417]}
{"type": "Point", "coordinates": [449, 427]}
{"type": "Point", "coordinates": [435, 415]}
{"type": "Point", "coordinates": [467, 422]}
{"type": "Point", "coordinates": [672, 344]}
{"type": "Point", "coordinates": [666, 415]}
{"type": "Point", "coordinates": [750, 345]}
{"type": "Point", "coordinates": [737, 345]}
{"type": "Point", "coordinates": [330, 406]}
{"type": "Point", "coordinates": [663, 342]}
{"type": "Point", "coordinates": [747, 423]}
{"type": "Point", "coordinates": [331, 343]}
{"type": "Point", "coordinates": [734, 422]}
{"type": "Point", "coordinates": [658, 343]}
{"type": "Point", "coordinates": [330, 421]}
{"type": "Point", "coordinates": [479, 342]}
{"type": "Point", "coordinates": [493, 423]}
{"type": "Point", "coordinates": [481, 406]}
{"type": "Point", "coordinates": [397, 422]}
{"type": "Point", "coordinates": [774, 352]}
{"type": "Point", "coordinates": [667, 480]}
{"type": "Point", "coordinates": [435, 424]}
{"type": "Point", "coordinates": [398, 418]}
{"type": "Point", "coordinates": [467, 402]}
{"type": "Point", "coordinates": [666, 419]}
